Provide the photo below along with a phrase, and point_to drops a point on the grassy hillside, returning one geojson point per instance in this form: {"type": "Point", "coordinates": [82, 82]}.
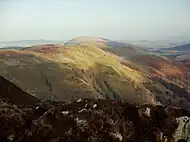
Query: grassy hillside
{"type": "Point", "coordinates": [86, 70]}
{"type": "Point", "coordinates": [75, 71]}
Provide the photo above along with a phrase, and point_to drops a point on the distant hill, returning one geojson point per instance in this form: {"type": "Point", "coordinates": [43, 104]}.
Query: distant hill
{"type": "Point", "coordinates": [173, 52]}
{"type": "Point", "coordinates": [181, 48]}
{"type": "Point", "coordinates": [117, 47]}
{"type": "Point", "coordinates": [11, 48]}
{"type": "Point", "coordinates": [183, 57]}
{"type": "Point", "coordinates": [43, 48]}
{"type": "Point", "coordinates": [158, 44]}
{"type": "Point", "coordinates": [27, 43]}
{"type": "Point", "coordinates": [88, 39]}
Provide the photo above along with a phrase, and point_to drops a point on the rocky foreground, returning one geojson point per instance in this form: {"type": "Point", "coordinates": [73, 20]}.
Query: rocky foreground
{"type": "Point", "coordinates": [92, 121]}
{"type": "Point", "coordinates": [24, 118]}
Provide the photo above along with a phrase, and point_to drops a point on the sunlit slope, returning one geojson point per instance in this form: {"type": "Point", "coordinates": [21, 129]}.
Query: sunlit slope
{"type": "Point", "coordinates": [99, 70]}
{"type": "Point", "coordinates": [73, 72]}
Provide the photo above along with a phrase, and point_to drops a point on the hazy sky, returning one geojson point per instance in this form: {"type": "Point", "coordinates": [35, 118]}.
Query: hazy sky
{"type": "Point", "coordinates": [114, 19]}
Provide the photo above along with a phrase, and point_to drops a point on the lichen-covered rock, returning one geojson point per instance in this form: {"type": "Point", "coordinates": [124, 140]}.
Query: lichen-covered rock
{"type": "Point", "coordinates": [183, 130]}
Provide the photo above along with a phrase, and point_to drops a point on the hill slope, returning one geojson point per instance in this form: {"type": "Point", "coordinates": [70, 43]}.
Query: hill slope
{"type": "Point", "coordinates": [88, 70]}
{"type": "Point", "coordinates": [71, 72]}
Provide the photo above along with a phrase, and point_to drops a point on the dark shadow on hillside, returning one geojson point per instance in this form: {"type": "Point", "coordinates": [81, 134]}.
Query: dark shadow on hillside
{"type": "Point", "coordinates": [10, 91]}
{"type": "Point", "coordinates": [181, 92]}
{"type": "Point", "coordinates": [173, 95]}
{"type": "Point", "coordinates": [121, 50]}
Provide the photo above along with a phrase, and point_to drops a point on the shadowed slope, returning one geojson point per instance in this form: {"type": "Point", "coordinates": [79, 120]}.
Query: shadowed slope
{"type": "Point", "coordinates": [11, 92]}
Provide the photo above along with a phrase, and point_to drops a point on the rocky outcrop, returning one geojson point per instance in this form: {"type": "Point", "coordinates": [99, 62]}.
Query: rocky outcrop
{"type": "Point", "coordinates": [90, 121]}
{"type": "Point", "coordinates": [183, 130]}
